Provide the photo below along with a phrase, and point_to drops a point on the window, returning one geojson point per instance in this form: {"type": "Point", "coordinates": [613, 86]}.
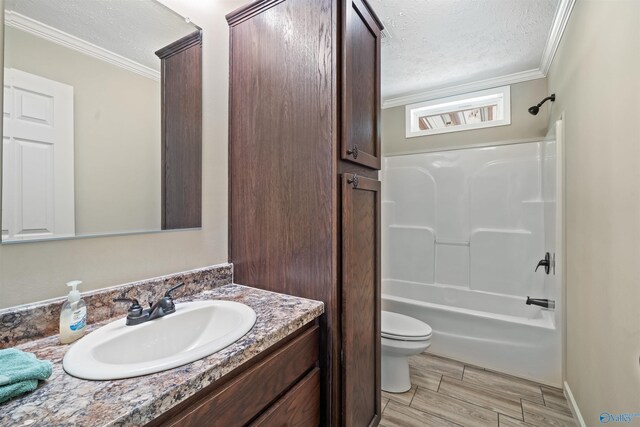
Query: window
{"type": "Point", "coordinates": [486, 108]}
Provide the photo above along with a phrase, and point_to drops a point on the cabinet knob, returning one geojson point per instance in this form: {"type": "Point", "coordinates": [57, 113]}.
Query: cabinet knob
{"type": "Point", "coordinates": [353, 152]}
{"type": "Point", "coordinates": [353, 181]}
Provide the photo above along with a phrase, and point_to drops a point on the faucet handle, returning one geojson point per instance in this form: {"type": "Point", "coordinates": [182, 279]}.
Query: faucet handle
{"type": "Point", "coordinates": [546, 263]}
{"type": "Point", "coordinates": [134, 302]}
{"type": "Point", "coordinates": [168, 293]}
{"type": "Point", "coordinates": [135, 309]}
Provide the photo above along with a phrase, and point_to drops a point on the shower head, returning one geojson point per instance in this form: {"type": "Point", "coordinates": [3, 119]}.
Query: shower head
{"type": "Point", "coordinates": [536, 108]}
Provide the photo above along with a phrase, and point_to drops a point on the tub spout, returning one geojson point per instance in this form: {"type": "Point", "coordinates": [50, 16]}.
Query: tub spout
{"type": "Point", "coordinates": [544, 303]}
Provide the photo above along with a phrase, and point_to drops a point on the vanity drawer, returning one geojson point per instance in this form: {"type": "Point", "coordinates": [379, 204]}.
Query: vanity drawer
{"type": "Point", "coordinates": [246, 395]}
{"type": "Point", "coordinates": [299, 407]}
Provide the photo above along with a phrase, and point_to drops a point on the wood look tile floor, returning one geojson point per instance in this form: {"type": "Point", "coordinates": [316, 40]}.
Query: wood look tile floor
{"type": "Point", "coordinates": [446, 392]}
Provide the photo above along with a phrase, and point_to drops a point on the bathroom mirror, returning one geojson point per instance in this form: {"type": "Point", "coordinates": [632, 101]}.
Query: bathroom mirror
{"type": "Point", "coordinates": [102, 119]}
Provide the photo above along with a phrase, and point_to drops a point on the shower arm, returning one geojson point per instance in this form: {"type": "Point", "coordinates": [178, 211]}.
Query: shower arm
{"type": "Point", "coordinates": [548, 98]}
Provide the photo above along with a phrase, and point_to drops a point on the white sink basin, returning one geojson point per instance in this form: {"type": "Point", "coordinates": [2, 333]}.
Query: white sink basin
{"type": "Point", "coordinates": [196, 330]}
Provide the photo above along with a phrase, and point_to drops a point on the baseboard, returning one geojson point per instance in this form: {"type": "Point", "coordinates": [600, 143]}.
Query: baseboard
{"type": "Point", "coordinates": [573, 405]}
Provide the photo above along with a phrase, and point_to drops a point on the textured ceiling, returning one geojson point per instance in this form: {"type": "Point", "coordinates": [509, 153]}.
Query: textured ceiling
{"type": "Point", "coordinates": [436, 44]}
{"type": "Point", "coordinates": [134, 29]}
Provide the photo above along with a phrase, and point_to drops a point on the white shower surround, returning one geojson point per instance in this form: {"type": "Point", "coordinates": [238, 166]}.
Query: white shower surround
{"type": "Point", "coordinates": [462, 233]}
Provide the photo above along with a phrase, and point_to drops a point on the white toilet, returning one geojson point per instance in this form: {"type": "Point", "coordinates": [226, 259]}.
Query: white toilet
{"type": "Point", "coordinates": [402, 336]}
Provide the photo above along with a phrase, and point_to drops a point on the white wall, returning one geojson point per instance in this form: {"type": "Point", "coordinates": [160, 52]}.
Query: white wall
{"type": "Point", "coordinates": [595, 78]}
{"type": "Point", "coordinates": [36, 271]}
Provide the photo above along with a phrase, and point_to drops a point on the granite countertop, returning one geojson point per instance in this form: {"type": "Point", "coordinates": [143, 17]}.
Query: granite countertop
{"type": "Point", "coordinates": [64, 400]}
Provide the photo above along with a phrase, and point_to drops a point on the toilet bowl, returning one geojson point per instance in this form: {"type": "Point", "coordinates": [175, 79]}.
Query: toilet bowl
{"type": "Point", "coordinates": [402, 336]}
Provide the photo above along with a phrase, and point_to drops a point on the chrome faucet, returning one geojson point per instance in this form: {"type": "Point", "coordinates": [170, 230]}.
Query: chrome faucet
{"type": "Point", "coordinates": [137, 315]}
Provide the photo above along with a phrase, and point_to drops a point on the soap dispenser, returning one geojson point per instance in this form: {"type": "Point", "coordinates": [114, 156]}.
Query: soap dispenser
{"type": "Point", "coordinates": [73, 317]}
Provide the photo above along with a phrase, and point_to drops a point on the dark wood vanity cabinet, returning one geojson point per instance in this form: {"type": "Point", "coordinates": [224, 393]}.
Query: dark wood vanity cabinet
{"type": "Point", "coordinates": [304, 202]}
{"type": "Point", "coordinates": [280, 387]}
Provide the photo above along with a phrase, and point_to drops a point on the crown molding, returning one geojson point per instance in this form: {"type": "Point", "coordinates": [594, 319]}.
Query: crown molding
{"type": "Point", "coordinates": [463, 88]}
{"type": "Point", "coordinates": [555, 35]}
{"type": "Point", "coordinates": [38, 29]}
{"type": "Point", "coordinates": [247, 11]}
{"type": "Point", "coordinates": [180, 45]}
{"type": "Point", "coordinates": [560, 21]}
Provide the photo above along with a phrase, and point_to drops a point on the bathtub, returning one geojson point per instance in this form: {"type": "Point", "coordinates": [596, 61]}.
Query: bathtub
{"type": "Point", "coordinates": [493, 331]}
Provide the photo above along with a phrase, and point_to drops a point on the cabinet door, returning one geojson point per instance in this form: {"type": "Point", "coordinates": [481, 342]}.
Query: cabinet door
{"type": "Point", "coordinates": [360, 301]}
{"type": "Point", "coordinates": [361, 86]}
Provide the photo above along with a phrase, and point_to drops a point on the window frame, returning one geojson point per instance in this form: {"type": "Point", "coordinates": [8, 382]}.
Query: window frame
{"type": "Point", "coordinates": [458, 102]}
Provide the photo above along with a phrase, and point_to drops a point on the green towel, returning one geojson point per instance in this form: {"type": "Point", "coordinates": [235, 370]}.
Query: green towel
{"type": "Point", "coordinates": [16, 389]}
{"type": "Point", "coordinates": [20, 372]}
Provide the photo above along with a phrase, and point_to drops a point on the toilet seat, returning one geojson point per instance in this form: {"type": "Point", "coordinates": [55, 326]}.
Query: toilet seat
{"type": "Point", "coordinates": [398, 327]}
{"type": "Point", "coordinates": [403, 338]}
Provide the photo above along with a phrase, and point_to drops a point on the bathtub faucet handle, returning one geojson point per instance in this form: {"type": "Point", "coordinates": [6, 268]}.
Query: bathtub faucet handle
{"type": "Point", "coordinates": [546, 263]}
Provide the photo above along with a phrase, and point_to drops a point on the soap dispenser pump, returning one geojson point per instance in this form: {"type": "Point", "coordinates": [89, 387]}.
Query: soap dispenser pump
{"type": "Point", "coordinates": [73, 317]}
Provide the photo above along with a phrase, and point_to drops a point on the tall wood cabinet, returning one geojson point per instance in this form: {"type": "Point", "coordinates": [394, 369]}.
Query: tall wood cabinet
{"type": "Point", "coordinates": [304, 199]}
{"type": "Point", "coordinates": [181, 149]}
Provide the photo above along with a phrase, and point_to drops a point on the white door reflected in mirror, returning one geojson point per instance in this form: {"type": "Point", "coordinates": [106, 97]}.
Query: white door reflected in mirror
{"type": "Point", "coordinates": [38, 152]}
